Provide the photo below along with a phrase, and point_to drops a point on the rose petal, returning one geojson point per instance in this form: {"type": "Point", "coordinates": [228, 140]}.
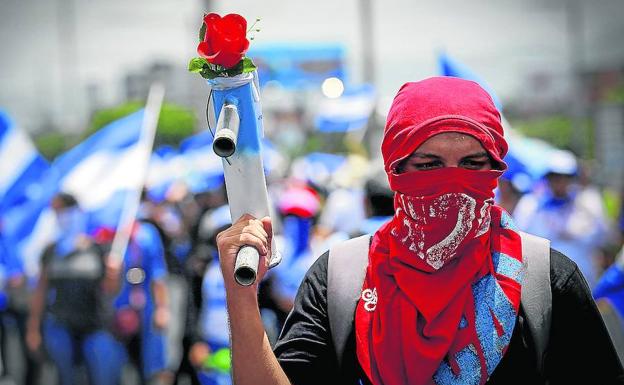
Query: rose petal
{"type": "Point", "coordinates": [225, 42]}
{"type": "Point", "coordinates": [227, 59]}
{"type": "Point", "coordinates": [211, 20]}
{"type": "Point", "coordinates": [204, 50]}
{"type": "Point", "coordinates": [236, 22]}
{"type": "Point", "coordinates": [211, 17]}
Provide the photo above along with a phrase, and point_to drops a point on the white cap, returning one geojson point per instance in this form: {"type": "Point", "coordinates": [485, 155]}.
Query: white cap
{"type": "Point", "coordinates": [562, 162]}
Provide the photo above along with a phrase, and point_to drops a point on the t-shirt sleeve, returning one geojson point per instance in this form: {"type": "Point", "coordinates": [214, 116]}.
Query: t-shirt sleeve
{"type": "Point", "coordinates": [152, 243]}
{"type": "Point", "coordinates": [304, 348]}
{"type": "Point", "coordinates": [580, 349]}
{"type": "Point", "coordinates": [14, 265]}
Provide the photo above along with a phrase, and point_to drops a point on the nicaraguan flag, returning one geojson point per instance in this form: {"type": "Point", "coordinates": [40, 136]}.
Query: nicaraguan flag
{"type": "Point", "coordinates": [349, 112]}
{"type": "Point", "coordinates": [451, 67]}
{"type": "Point", "coordinates": [195, 164]}
{"type": "Point", "coordinates": [21, 166]}
{"type": "Point", "coordinates": [98, 172]}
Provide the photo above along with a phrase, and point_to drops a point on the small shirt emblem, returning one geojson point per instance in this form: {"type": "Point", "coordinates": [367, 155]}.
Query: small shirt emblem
{"type": "Point", "coordinates": [370, 299]}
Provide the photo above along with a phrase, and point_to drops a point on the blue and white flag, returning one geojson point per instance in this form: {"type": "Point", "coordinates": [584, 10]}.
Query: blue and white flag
{"type": "Point", "coordinates": [98, 172]}
{"type": "Point", "coordinates": [349, 112]}
{"type": "Point", "coordinates": [21, 166]}
{"type": "Point", "coordinates": [448, 66]}
{"type": "Point", "coordinates": [196, 165]}
{"type": "Point", "coordinates": [102, 169]}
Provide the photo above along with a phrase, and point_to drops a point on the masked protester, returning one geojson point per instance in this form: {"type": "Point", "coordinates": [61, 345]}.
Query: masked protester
{"type": "Point", "coordinates": [68, 309]}
{"type": "Point", "coordinates": [441, 299]}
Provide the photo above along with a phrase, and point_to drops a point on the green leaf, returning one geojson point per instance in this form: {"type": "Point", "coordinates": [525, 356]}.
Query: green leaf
{"type": "Point", "coordinates": [209, 73]}
{"type": "Point", "coordinates": [197, 64]}
{"type": "Point", "coordinates": [248, 65]}
{"type": "Point", "coordinates": [237, 69]}
{"type": "Point", "coordinates": [202, 32]}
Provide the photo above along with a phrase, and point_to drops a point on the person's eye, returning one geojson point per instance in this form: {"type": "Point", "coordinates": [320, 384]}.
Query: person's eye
{"type": "Point", "coordinates": [427, 165]}
{"type": "Point", "coordinates": [473, 164]}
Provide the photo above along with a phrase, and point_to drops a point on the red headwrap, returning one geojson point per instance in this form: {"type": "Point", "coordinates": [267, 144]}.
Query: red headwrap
{"type": "Point", "coordinates": [442, 288]}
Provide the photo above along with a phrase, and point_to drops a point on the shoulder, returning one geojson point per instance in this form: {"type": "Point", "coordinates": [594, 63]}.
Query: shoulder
{"type": "Point", "coordinates": [316, 277]}
{"type": "Point", "coordinates": [147, 229]}
{"type": "Point", "coordinates": [564, 273]}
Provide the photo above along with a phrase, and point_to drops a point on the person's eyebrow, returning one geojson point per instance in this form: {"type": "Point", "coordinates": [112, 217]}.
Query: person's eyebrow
{"type": "Point", "coordinates": [424, 155]}
{"type": "Point", "coordinates": [477, 155]}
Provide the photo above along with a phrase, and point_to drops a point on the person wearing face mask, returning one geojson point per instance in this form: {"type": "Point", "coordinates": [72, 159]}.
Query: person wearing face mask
{"type": "Point", "coordinates": [68, 309]}
{"type": "Point", "coordinates": [441, 299]}
{"type": "Point", "coordinates": [570, 216]}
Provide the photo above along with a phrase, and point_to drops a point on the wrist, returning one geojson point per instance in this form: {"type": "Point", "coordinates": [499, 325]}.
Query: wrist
{"type": "Point", "coordinates": [240, 297]}
{"type": "Point", "coordinates": [33, 323]}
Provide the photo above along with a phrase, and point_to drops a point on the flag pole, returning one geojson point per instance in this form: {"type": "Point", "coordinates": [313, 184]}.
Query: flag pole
{"type": "Point", "coordinates": [133, 198]}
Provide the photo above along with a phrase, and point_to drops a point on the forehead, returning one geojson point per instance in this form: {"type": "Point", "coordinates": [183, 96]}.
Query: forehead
{"type": "Point", "coordinates": [451, 141]}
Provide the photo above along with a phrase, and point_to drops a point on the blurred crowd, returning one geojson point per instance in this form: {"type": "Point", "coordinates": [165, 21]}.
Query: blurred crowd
{"type": "Point", "coordinates": [157, 315]}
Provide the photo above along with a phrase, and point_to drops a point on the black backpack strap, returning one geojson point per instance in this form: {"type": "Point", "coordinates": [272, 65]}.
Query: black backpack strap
{"type": "Point", "coordinates": [345, 276]}
{"type": "Point", "coordinates": [536, 292]}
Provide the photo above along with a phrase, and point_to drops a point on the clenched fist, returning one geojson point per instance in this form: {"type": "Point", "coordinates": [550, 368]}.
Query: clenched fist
{"type": "Point", "coordinates": [249, 231]}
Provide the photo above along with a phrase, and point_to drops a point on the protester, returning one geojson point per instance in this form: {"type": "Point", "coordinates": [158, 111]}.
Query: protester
{"type": "Point", "coordinates": [212, 343]}
{"type": "Point", "coordinates": [609, 295]}
{"type": "Point", "coordinates": [173, 232]}
{"type": "Point", "coordinates": [378, 203]}
{"type": "Point", "coordinates": [67, 313]}
{"type": "Point", "coordinates": [440, 301]}
{"type": "Point", "coordinates": [571, 217]}
{"type": "Point", "coordinates": [12, 286]}
{"type": "Point", "coordinates": [298, 206]}
{"type": "Point", "coordinates": [142, 312]}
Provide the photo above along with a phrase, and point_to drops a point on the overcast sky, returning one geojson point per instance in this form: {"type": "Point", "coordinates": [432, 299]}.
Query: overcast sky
{"type": "Point", "coordinates": [44, 72]}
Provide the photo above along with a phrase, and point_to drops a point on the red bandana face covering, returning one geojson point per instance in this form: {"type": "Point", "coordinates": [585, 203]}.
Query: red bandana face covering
{"type": "Point", "coordinates": [440, 212]}
{"type": "Point", "coordinates": [442, 289]}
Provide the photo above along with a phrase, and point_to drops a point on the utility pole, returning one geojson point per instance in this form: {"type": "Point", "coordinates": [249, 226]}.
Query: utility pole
{"type": "Point", "coordinates": [368, 43]}
{"type": "Point", "coordinates": [68, 54]}
{"type": "Point", "coordinates": [576, 46]}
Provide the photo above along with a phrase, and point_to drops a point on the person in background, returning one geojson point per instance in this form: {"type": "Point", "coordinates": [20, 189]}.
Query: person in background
{"type": "Point", "coordinates": [565, 214]}
{"type": "Point", "coordinates": [142, 312]}
{"type": "Point", "coordinates": [512, 185]}
{"type": "Point", "coordinates": [210, 349]}
{"type": "Point", "coordinates": [68, 307]}
{"type": "Point", "coordinates": [378, 203]}
{"type": "Point", "coordinates": [12, 290]}
{"type": "Point", "coordinates": [609, 295]}
{"type": "Point", "coordinates": [167, 219]}
{"type": "Point", "coordinates": [298, 207]}
{"type": "Point", "coordinates": [210, 199]}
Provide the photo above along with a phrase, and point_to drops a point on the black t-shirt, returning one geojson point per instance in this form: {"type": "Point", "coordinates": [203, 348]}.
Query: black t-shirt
{"type": "Point", "coordinates": [579, 351]}
{"type": "Point", "coordinates": [74, 297]}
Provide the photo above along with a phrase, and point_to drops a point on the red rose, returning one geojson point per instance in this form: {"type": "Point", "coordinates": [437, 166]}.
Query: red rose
{"type": "Point", "coordinates": [225, 41]}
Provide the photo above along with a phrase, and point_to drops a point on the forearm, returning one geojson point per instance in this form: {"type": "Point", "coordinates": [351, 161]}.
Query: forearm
{"type": "Point", "coordinates": [37, 303]}
{"type": "Point", "coordinates": [159, 290]}
{"type": "Point", "coordinates": [253, 361]}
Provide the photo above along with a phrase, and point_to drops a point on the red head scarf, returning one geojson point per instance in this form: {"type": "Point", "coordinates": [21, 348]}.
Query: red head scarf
{"type": "Point", "coordinates": [442, 288]}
